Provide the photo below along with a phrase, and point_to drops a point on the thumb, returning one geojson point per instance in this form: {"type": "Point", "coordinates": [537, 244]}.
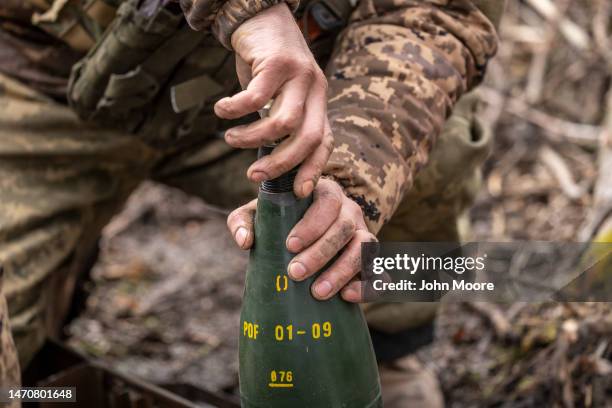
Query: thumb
{"type": "Point", "coordinates": [240, 224]}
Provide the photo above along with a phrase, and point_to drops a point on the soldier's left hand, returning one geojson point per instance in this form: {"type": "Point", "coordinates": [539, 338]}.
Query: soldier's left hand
{"type": "Point", "coordinates": [274, 61]}
{"type": "Point", "coordinates": [333, 225]}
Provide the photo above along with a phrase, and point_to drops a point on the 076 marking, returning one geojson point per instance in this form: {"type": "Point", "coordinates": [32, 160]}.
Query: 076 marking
{"type": "Point", "coordinates": [281, 379]}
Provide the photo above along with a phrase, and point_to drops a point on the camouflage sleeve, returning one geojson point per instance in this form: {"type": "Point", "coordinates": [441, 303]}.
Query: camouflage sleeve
{"type": "Point", "coordinates": [224, 16]}
{"type": "Point", "coordinates": [394, 77]}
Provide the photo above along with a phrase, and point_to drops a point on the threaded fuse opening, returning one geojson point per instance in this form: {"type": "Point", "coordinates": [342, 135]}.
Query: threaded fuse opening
{"type": "Point", "coordinates": [281, 184]}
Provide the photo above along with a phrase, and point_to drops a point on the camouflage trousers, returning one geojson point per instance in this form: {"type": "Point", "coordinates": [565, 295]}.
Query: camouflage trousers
{"type": "Point", "coordinates": [62, 180]}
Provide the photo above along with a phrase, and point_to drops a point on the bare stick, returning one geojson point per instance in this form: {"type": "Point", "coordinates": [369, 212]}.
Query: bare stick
{"type": "Point", "coordinates": [602, 208]}
{"type": "Point", "coordinates": [558, 129]}
{"type": "Point", "coordinates": [560, 171]}
{"type": "Point", "coordinates": [572, 32]}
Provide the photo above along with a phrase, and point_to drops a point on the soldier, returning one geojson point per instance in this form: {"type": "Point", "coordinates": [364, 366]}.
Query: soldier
{"type": "Point", "coordinates": [394, 169]}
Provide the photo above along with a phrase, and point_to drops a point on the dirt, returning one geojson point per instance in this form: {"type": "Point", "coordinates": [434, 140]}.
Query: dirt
{"type": "Point", "coordinates": [166, 291]}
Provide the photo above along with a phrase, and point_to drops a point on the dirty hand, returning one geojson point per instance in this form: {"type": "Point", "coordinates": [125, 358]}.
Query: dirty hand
{"type": "Point", "coordinates": [332, 224]}
{"type": "Point", "coordinates": [273, 61]}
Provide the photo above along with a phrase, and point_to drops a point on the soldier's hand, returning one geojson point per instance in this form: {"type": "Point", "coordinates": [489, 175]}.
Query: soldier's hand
{"type": "Point", "coordinates": [333, 225]}
{"type": "Point", "coordinates": [273, 61]}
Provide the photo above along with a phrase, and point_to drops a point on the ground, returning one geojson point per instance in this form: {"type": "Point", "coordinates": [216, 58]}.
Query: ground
{"type": "Point", "coordinates": [166, 291]}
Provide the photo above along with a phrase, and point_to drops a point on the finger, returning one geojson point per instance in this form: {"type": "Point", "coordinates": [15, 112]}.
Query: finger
{"type": "Point", "coordinates": [259, 91]}
{"type": "Point", "coordinates": [285, 117]}
{"type": "Point", "coordinates": [353, 292]}
{"type": "Point", "coordinates": [343, 269]}
{"type": "Point", "coordinates": [286, 156]}
{"type": "Point", "coordinates": [310, 170]}
{"type": "Point", "coordinates": [323, 212]}
{"type": "Point", "coordinates": [310, 132]}
{"type": "Point", "coordinates": [241, 137]}
{"type": "Point", "coordinates": [313, 258]}
{"type": "Point", "coordinates": [240, 224]}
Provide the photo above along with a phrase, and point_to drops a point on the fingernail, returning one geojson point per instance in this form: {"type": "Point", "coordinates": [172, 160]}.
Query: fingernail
{"type": "Point", "coordinates": [241, 236]}
{"type": "Point", "coordinates": [307, 187]}
{"type": "Point", "coordinates": [259, 176]}
{"type": "Point", "coordinates": [294, 244]}
{"type": "Point", "coordinates": [297, 271]}
{"type": "Point", "coordinates": [322, 289]}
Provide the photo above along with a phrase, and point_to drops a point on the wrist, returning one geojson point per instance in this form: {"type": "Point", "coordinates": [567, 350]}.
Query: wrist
{"type": "Point", "coordinates": [234, 13]}
{"type": "Point", "coordinates": [276, 15]}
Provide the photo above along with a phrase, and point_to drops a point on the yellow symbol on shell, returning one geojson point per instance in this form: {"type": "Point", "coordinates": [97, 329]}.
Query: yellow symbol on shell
{"type": "Point", "coordinates": [282, 283]}
{"type": "Point", "coordinates": [281, 379]}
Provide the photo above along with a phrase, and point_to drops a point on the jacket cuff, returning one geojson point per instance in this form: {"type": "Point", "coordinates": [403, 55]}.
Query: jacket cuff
{"type": "Point", "coordinates": [235, 12]}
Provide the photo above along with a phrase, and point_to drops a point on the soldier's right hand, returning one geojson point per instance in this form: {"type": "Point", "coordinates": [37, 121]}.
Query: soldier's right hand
{"type": "Point", "coordinates": [333, 226]}
{"type": "Point", "coordinates": [274, 61]}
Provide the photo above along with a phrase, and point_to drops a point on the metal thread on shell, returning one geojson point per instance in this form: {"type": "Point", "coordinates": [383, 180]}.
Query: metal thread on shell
{"type": "Point", "coordinates": [281, 184]}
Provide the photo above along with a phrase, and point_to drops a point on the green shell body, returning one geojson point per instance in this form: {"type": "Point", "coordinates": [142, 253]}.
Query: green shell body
{"type": "Point", "coordinates": [296, 351]}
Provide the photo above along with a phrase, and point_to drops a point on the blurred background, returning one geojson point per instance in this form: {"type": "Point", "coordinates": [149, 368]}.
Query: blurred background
{"type": "Point", "coordinates": [166, 291]}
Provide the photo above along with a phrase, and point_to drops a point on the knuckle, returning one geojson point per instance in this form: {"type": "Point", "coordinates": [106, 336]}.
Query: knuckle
{"type": "Point", "coordinates": [281, 165]}
{"type": "Point", "coordinates": [233, 218]}
{"type": "Point", "coordinates": [327, 251]}
{"type": "Point", "coordinates": [309, 70]}
{"type": "Point", "coordinates": [347, 228]}
{"type": "Point", "coordinates": [313, 138]}
{"type": "Point", "coordinates": [331, 187]}
{"type": "Point", "coordinates": [281, 125]}
{"type": "Point", "coordinates": [283, 60]}
{"type": "Point", "coordinates": [287, 122]}
{"type": "Point", "coordinates": [309, 142]}
{"type": "Point", "coordinates": [331, 199]}
{"type": "Point", "coordinates": [257, 99]}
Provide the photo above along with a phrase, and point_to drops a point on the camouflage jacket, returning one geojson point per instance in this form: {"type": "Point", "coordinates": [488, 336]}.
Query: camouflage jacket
{"type": "Point", "coordinates": [396, 72]}
{"type": "Point", "coordinates": [31, 52]}
{"type": "Point", "coordinates": [395, 75]}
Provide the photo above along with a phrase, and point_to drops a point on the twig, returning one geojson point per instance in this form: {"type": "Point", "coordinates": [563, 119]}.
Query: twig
{"type": "Point", "coordinates": [572, 32]}
{"type": "Point", "coordinates": [537, 70]}
{"type": "Point", "coordinates": [602, 208]}
{"type": "Point", "coordinates": [600, 31]}
{"type": "Point", "coordinates": [524, 34]}
{"type": "Point", "coordinates": [558, 129]}
{"type": "Point", "coordinates": [560, 171]}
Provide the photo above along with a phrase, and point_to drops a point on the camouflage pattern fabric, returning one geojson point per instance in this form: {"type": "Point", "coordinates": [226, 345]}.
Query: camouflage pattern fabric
{"type": "Point", "coordinates": [394, 76]}
{"type": "Point", "coordinates": [9, 364]}
{"type": "Point", "coordinates": [432, 210]}
{"type": "Point", "coordinates": [61, 181]}
{"type": "Point", "coordinates": [34, 55]}
{"type": "Point", "coordinates": [396, 73]}
{"type": "Point", "coordinates": [31, 55]}
{"type": "Point", "coordinates": [55, 206]}
{"type": "Point", "coordinates": [225, 16]}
